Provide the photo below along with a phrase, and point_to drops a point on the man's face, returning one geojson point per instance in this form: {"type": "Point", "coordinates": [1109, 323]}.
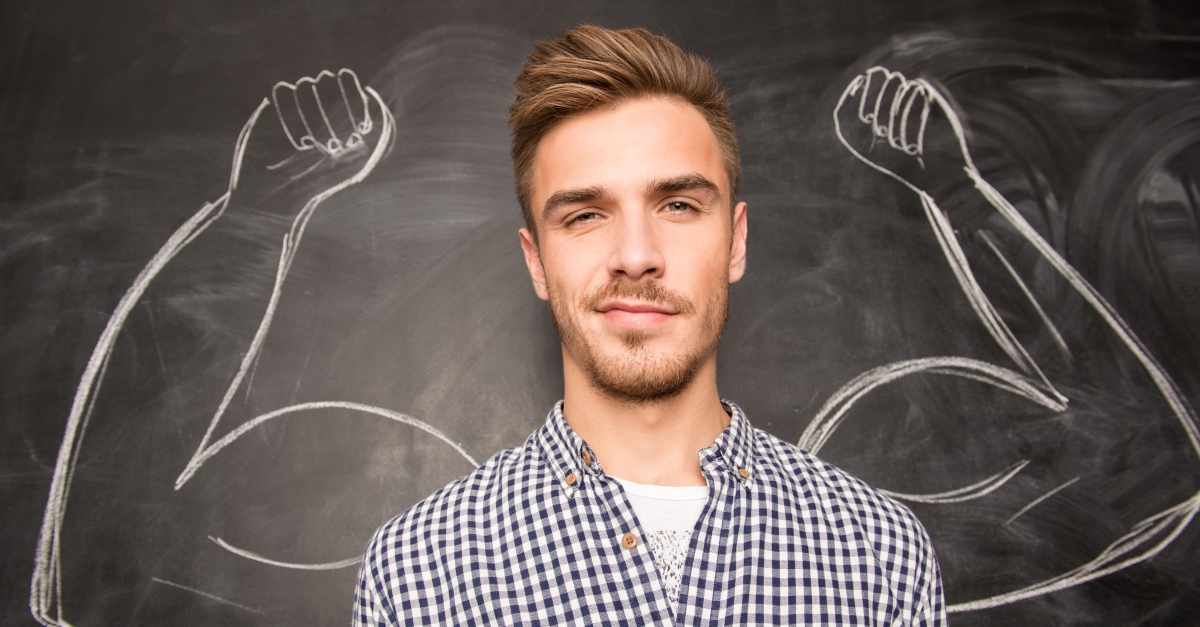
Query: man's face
{"type": "Point", "coordinates": [636, 246]}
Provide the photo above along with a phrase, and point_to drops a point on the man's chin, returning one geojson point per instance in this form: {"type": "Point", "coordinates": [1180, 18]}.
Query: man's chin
{"type": "Point", "coordinates": [636, 373]}
{"type": "Point", "coordinates": [642, 388]}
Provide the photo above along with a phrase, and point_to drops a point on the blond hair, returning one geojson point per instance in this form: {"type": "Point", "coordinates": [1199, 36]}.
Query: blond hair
{"type": "Point", "coordinates": [590, 68]}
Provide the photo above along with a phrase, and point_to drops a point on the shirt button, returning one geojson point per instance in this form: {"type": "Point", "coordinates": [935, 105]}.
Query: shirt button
{"type": "Point", "coordinates": [629, 541]}
{"type": "Point", "coordinates": [570, 478]}
{"type": "Point", "coordinates": [744, 473]}
{"type": "Point", "coordinates": [587, 457]}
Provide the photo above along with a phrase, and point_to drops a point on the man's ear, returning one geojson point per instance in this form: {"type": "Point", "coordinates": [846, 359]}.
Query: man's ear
{"type": "Point", "coordinates": [737, 250]}
{"type": "Point", "coordinates": [533, 261]}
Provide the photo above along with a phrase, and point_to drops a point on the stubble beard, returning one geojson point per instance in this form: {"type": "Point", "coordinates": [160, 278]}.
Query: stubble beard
{"type": "Point", "coordinates": [638, 375]}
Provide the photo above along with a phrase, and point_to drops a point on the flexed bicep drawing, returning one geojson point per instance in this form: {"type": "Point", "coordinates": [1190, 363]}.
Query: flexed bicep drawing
{"type": "Point", "coordinates": [909, 130]}
{"type": "Point", "coordinates": [329, 129]}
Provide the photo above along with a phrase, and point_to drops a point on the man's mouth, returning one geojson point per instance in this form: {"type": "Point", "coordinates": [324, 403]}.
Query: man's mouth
{"type": "Point", "coordinates": [634, 314]}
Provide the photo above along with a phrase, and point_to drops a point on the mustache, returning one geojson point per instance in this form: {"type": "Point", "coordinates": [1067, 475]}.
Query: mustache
{"type": "Point", "coordinates": [650, 291]}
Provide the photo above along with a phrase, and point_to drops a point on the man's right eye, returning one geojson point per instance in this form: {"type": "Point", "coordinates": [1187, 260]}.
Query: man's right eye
{"type": "Point", "coordinates": [586, 216]}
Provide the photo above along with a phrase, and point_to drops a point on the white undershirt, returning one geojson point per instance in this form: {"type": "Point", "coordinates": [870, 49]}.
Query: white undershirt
{"type": "Point", "coordinates": [667, 515]}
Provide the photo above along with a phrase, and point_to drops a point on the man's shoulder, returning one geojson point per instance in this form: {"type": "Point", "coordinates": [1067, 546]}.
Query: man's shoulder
{"type": "Point", "coordinates": [836, 491]}
{"type": "Point", "coordinates": [829, 502]}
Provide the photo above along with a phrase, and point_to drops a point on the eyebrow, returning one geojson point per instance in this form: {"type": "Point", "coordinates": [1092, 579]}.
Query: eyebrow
{"type": "Point", "coordinates": [570, 197]}
{"type": "Point", "coordinates": [672, 185]}
{"type": "Point", "coordinates": [687, 182]}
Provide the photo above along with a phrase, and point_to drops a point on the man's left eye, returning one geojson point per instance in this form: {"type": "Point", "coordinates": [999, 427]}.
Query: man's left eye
{"type": "Point", "coordinates": [679, 205]}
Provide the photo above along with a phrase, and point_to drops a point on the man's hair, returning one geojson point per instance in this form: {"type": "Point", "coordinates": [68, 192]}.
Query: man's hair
{"type": "Point", "coordinates": [590, 68]}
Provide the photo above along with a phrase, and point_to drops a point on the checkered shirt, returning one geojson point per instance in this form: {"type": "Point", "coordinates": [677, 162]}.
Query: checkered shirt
{"type": "Point", "coordinates": [790, 541]}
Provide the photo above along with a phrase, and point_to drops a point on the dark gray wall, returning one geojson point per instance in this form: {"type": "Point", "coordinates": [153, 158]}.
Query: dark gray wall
{"type": "Point", "coordinates": [118, 123]}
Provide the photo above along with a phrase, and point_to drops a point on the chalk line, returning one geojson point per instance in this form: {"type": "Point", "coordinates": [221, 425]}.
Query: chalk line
{"type": "Point", "coordinates": [1032, 504]}
{"type": "Point", "coordinates": [834, 410]}
{"type": "Point", "coordinates": [346, 563]}
{"type": "Point", "coordinates": [965, 493]}
{"type": "Point", "coordinates": [1172, 521]}
{"type": "Point", "coordinates": [244, 428]}
{"type": "Point", "coordinates": [206, 595]}
{"type": "Point", "coordinates": [1012, 272]}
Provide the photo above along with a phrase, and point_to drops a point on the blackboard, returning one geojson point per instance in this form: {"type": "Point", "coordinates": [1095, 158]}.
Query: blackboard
{"type": "Point", "coordinates": [221, 471]}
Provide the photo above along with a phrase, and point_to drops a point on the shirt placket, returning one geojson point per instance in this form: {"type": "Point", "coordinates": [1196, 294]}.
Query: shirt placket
{"type": "Point", "coordinates": [709, 570]}
{"type": "Point", "coordinates": [621, 537]}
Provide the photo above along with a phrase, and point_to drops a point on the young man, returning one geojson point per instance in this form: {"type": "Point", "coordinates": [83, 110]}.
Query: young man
{"type": "Point", "coordinates": [645, 498]}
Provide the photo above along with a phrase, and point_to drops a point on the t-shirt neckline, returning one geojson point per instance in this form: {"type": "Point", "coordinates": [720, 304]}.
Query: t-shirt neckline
{"type": "Point", "coordinates": [665, 492]}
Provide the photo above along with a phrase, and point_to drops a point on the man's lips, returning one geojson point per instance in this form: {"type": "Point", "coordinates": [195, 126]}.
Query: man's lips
{"type": "Point", "coordinates": [634, 315]}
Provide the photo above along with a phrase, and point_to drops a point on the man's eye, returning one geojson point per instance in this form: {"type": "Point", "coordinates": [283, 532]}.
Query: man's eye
{"type": "Point", "coordinates": [678, 206]}
{"type": "Point", "coordinates": [584, 217]}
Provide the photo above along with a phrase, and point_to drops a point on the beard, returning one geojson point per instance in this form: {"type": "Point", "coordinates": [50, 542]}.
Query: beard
{"type": "Point", "coordinates": [638, 374]}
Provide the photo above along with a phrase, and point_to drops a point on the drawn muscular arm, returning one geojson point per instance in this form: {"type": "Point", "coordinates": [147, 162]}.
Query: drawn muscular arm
{"type": "Point", "coordinates": [908, 130]}
{"type": "Point", "coordinates": [330, 122]}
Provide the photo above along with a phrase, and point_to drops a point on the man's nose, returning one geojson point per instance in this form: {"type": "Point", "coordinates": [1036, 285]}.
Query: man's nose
{"type": "Point", "coordinates": [636, 250]}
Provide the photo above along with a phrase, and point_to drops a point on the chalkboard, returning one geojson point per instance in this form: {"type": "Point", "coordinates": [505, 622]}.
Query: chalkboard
{"type": "Point", "coordinates": [238, 336]}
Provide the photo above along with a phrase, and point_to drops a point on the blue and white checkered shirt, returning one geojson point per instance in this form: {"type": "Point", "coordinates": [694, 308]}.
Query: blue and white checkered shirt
{"type": "Point", "coordinates": [539, 535]}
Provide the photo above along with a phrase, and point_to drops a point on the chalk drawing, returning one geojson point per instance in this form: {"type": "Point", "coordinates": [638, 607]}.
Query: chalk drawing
{"type": "Point", "coordinates": [898, 114]}
{"type": "Point", "coordinates": [965, 493]}
{"type": "Point", "coordinates": [1034, 503]}
{"type": "Point", "coordinates": [206, 595]}
{"type": "Point", "coordinates": [231, 437]}
{"type": "Point", "coordinates": [46, 596]}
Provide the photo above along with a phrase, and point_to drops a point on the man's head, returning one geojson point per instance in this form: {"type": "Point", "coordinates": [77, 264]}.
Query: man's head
{"type": "Point", "coordinates": [626, 167]}
{"type": "Point", "coordinates": [592, 68]}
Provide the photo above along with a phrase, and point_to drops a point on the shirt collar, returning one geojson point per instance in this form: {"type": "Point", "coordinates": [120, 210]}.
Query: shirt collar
{"type": "Point", "coordinates": [568, 454]}
{"type": "Point", "coordinates": [733, 451]}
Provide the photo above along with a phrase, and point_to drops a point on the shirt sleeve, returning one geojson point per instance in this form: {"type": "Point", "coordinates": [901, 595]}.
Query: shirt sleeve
{"type": "Point", "coordinates": [931, 610]}
{"type": "Point", "coordinates": [368, 608]}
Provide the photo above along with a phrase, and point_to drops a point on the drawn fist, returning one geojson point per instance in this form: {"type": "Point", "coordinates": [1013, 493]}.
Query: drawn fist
{"type": "Point", "coordinates": [903, 127]}
{"type": "Point", "coordinates": [329, 113]}
{"type": "Point", "coordinates": [331, 130]}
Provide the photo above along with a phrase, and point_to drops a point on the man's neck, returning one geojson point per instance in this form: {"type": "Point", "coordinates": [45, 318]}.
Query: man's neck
{"type": "Point", "coordinates": [652, 443]}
